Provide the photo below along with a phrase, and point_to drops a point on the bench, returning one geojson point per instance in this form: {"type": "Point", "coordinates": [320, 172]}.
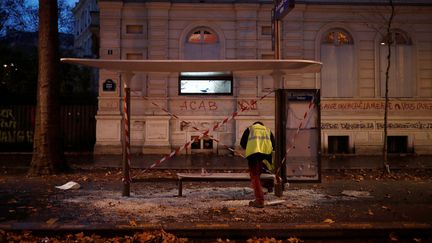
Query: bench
{"type": "Point", "coordinates": [266, 179]}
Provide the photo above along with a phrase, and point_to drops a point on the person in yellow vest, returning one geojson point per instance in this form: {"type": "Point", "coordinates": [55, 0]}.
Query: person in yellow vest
{"type": "Point", "coordinates": [258, 141]}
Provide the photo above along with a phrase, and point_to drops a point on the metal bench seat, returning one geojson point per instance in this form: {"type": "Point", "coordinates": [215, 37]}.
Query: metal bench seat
{"type": "Point", "coordinates": [266, 178]}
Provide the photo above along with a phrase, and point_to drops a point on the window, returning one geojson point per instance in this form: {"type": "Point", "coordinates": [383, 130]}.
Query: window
{"type": "Point", "coordinates": [134, 56]}
{"type": "Point", "coordinates": [397, 144]}
{"type": "Point", "coordinates": [338, 145]}
{"type": "Point", "coordinates": [204, 143]}
{"type": "Point", "coordinates": [134, 29]}
{"type": "Point", "coordinates": [202, 36]}
{"type": "Point", "coordinates": [337, 37]}
{"type": "Point", "coordinates": [401, 69]}
{"type": "Point", "coordinates": [202, 43]}
{"type": "Point", "coordinates": [338, 72]}
{"type": "Point", "coordinates": [205, 83]}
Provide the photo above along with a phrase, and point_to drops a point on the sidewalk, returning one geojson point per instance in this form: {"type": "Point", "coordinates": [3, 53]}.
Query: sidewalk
{"type": "Point", "coordinates": [351, 203]}
{"type": "Point", "coordinates": [225, 162]}
{"type": "Point", "coordinates": [229, 162]}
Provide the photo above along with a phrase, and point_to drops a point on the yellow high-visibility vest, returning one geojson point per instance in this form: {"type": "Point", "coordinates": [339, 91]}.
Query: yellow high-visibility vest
{"type": "Point", "coordinates": [259, 140]}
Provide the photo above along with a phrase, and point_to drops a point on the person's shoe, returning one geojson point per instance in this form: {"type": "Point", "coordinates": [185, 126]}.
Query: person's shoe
{"type": "Point", "coordinates": [256, 204]}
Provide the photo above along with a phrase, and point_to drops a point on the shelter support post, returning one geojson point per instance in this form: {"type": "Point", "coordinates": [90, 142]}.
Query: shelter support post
{"type": "Point", "coordinates": [280, 132]}
{"type": "Point", "coordinates": [126, 77]}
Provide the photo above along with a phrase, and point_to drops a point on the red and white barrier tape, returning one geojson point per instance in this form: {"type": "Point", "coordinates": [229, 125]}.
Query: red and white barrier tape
{"type": "Point", "coordinates": [162, 108]}
{"type": "Point", "coordinates": [203, 133]}
{"type": "Point", "coordinates": [127, 178]}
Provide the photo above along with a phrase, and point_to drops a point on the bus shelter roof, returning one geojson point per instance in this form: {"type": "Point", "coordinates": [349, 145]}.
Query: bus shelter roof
{"type": "Point", "coordinates": [239, 65]}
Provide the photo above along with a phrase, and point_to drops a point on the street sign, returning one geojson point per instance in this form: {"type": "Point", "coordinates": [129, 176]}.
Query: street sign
{"type": "Point", "coordinates": [282, 8]}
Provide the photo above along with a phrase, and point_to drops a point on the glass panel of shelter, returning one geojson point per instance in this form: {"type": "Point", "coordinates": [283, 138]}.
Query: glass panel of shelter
{"type": "Point", "coordinates": [302, 135]}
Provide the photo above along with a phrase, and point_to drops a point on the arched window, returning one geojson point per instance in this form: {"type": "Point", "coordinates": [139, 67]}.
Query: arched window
{"type": "Point", "coordinates": [401, 78]}
{"type": "Point", "coordinates": [202, 36]}
{"type": "Point", "coordinates": [202, 43]}
{"type": "Point", "coordinates": [337, 37]}
{"type": "Point", "coordinates": [338, 72]}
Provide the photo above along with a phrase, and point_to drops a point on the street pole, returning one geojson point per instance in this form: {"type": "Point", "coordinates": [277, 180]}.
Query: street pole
{"type": "Point", "coordinates": [279, 110]}
{"type": "Point", "coordinates": [277, 29]}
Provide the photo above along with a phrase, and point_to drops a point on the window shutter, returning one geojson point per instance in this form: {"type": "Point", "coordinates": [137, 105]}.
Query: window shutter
{"type": "Point", "coordinates": [329, 74]}
{"type": "Point", "coordinates": [345, 70]}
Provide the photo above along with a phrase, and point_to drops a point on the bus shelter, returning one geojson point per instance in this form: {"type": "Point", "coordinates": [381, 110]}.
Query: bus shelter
{"type": "Point", "coordinates": [276, 68]}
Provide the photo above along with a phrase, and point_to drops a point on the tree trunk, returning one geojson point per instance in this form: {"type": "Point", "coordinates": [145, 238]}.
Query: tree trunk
{"type": "Point", "coordinates": [47, 143]}
{"type": "Point", "coordinates": [389, 43]}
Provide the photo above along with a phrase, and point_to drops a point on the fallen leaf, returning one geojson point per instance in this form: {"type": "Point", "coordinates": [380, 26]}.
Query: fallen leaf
{"type": "Point", "coordinates": [79, 235]}
{"type": "Point", "coordinates": [13, 200]}
{"type": "Point", "coordinates": [51, 221]}
{"type": "Point", "coordinates": [294, 240]}
{"type": "Point", "coordinates": [385, 207]}
{"type": "Point", "coordinates": [393, 236]}
{"type": "Point", "coordinates": [290, 205]}
{"type": "Point", "coordinates": [133, 223]}
{"type": "Point", "coordinates": [231, 210]}
{"type": "Point", "coordinates": [329, 221]}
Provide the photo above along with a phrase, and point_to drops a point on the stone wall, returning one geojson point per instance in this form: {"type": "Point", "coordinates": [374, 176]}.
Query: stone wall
{"type": "Point", "coordinates": [158, 30]}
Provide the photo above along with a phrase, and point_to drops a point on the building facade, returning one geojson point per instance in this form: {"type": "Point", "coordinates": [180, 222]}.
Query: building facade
{"type": "Point", "coordinates": [86, 28]}
{"type": "Point", "coordinates": [350, 39]}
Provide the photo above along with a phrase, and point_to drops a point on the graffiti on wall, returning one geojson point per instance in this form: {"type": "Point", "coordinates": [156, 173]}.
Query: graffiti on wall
{"type": "Point", "coordinates": [211, 105]}
{"type": "Point", "coordinates": [247, 105]}
{"type": "Point", "coordinates": [374, 125]}
{"type": "Point", "coordinates": [198, 105]}
{"type": "Point", "coordinates": [10, 132]}
{"type": "Point", "coordinates": [405, 125]}
{"type": "Point", "coordinates": [376, 105]}
{"type": "Point", "coordinates": [201, 125]}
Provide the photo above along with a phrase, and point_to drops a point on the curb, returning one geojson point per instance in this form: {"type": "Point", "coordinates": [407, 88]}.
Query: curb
{"type": "Point", "coordinates": [240, 230]}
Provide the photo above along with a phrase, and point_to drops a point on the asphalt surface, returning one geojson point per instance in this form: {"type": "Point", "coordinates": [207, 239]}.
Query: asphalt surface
{"type": "Point", "coordinates": [348, 204]}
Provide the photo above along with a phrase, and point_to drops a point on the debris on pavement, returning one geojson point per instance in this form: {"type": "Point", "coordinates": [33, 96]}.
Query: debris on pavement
{"type": "Point", "coordinates": [352, 193]}
{"type": "Point", "coordinates": [153, 236]}
{"type": "Point", "coordinates": [71, 185]}
{"type": "Point", "coordinates": [274, 202]}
